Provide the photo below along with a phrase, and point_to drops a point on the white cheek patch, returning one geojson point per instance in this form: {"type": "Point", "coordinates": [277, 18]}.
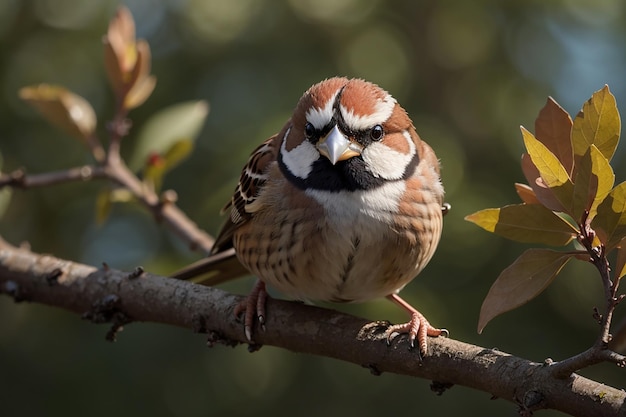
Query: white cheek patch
{"type": "Point", "coordinates": [382, 111]}
{"type": "Point", "coordinates": [387, 163]}
{"type": "Point", "coordinates": [321, 116]}
{"type": "Point", "coordinates": [299, 161]}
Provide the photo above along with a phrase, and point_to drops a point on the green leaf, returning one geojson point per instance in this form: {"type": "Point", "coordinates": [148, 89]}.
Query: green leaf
{"type": "Point", "coordinates": [598, 123]}
{"type": "Point", "coordinates": [157, 166]}
{"type": "Point", "coordinates": [530, 223]}
{"type": "Point", "coordinates": [169, 126]}
{"type": "Point", "coordinates": [553, 128]}
{"type": "Point", "coordinates": [610, 220]}
{"type": "Point", "coordinates": [552, 173]}
{"type": "Point", "coordinates": [522, 281]}
{"type": "Point", "coordinates": [594, 180]}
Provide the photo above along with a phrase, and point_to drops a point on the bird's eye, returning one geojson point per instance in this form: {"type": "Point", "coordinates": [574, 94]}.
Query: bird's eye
{"type": "Point", "coordinates": [309, 130]}
{"type": "Point", "coordinates": [377, 132]}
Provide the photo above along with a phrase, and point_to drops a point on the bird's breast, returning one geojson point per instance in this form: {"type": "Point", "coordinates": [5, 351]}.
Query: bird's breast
{"type": "Point", "coordinates": [330, 246]}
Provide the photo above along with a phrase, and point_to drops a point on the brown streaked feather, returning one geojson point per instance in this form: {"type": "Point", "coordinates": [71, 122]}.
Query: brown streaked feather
{"type": "Point", "coordinates": [251, 180]}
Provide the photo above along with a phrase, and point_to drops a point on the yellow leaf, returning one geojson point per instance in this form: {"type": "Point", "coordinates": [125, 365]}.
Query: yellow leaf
{"type": "Point", "coordinates": [553, 174]}
{"type": "Point", "coordinates": [544, 194]}
{"type": "Point", "coordinates": [620, 261]}
{"type": "Point", "coordinates": [594, 180]}
{"type": "Point", "coordinates": [62, 108]}
{"type": "Point", "coordinates": [530, 223]}
{"type": "Point", "coordinates": [598, 123]}
{"type": "Point", "coordinates": [177, 153]}
{"type": "Point", "coordinates": [103, 206]}
{"type": "Point", "coordinates": [610, 220]}
{"type": "Point", "coordinates": [522, 281]}
{"type": "Point", "coordinates": [140, 83]}
{"type": "Point", "coordinates": [158, 165]}
{"type": "Point", "coordinates": [553, 128]}
{"type": "Point", "coordinates": [139, 92]}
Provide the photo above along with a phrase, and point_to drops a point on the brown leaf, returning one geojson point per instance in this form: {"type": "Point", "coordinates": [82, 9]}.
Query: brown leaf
{"type": "Point", "coordinates": [62, 108]}
{"type": "Point", "coordinates": [526, 193]}
{"type": "Point", "coordinates": [542, 192]}
{"type": "Point", "coordinates": [121, 53]}
{"type": "Point", "coordinates": [522, 281]}
{"type": "Point", "coordinates": [121, 36]}
{"type": "Point", "coordinates": [552, 174]}
{"type": "Point", "coordinates": [553, 128]}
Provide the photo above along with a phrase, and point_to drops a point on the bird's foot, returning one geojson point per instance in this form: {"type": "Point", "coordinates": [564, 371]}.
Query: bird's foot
{"type": "Point", "coordinates": [253, 303]}
{"type": "Point", "coordinates": [417, 328]}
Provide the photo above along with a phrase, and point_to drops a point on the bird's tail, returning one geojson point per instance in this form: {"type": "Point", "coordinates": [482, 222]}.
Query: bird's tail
{"type": "Point", "coordinates": [213, 270]}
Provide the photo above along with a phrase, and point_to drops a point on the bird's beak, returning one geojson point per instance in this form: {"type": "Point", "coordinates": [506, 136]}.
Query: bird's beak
{"type": "Point", "coordinates": [337, 147]}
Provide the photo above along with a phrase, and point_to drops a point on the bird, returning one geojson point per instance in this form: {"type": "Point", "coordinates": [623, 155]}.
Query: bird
{"type": "Point", "coordinates": [344, 204]}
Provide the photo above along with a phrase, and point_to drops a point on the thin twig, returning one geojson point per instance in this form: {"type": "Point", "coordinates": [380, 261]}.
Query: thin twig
{"type": "Point", "coordinates": [19, 178]}
{"type": "Point", "coordinates": [164, 210]}
{"type": "Point", "coordinates": [600, 351]}
{"type": "Point", "coordinates": [592, 356]}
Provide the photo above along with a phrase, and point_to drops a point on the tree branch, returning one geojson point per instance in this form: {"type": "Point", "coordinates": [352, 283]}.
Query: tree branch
{"type": "Point", "coordinates": [162, 208]}
{"type": "Point", "coordinates": [106, 295]}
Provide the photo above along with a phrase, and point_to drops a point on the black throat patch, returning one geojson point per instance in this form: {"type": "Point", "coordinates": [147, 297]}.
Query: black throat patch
{"type": "Point", "coordinates": [348, 175]}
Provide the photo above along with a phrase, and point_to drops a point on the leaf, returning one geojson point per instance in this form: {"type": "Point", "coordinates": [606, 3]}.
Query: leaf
{"type": "Point", "coordinates": [62, 108]}
{"type": "Point", "coordinates": [164, 129]}
{"type": "Point", "coordinates": [141, 83]}
{"type": "Point", "coordinates": [103, 206]}
{"type": "Point", "coordinates": [522, 281]}
{"type": "Point", "coordinates": [530, 223]}
{"type": "Point", "coordinates": [5, 195]}
{"type": "Point", "coordinates": [620, 261]}
{"type": "Point", "coordinates": [541, 191]}
{"type": "Point", "coordinates": [598, 123]}
{"type": "Point", "coordinates": [120, 50]}
{"type": "Point", "coordinates": [140, 92]}
{"type": "Point", "coordinates": [177, 153]}
{"type": "Point", "coordinates": [553, 128]}
{"type": "Point", "coordinates": [158, 165]}
{"type": "Point", "coordinates": [552, 173]}
{"type": "Point", "coordinates": [594, 180]}
{"type": "Point", "coordinates": [610, 220]}
{"type": "Point", "coordinates": [526, 193]}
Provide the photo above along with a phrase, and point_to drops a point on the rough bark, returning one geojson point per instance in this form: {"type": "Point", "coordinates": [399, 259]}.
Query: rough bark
{"type": "Point", "coordinates": [107, 295]}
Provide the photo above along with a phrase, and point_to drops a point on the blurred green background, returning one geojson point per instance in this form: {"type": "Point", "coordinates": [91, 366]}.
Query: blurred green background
{"type": "Point", "coordinates": [469, 73]}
